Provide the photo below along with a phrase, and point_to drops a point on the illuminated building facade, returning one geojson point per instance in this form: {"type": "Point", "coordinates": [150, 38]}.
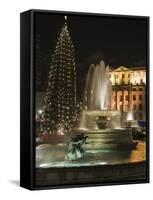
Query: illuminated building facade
{"type": "Point", "coordinates": [128, 91]}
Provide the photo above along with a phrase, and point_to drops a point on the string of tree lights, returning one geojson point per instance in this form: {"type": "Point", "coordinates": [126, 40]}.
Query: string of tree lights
{"type": "Point", "coordinates": [60, 103]}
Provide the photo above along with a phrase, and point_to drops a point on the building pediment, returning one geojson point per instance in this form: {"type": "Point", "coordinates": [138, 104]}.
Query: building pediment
{"type": "Point", "coordinates": [121, 69]}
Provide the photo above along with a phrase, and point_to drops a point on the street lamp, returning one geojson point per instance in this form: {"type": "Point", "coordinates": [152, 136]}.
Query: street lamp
{"type": "Point", "coordinates": [40, 111]}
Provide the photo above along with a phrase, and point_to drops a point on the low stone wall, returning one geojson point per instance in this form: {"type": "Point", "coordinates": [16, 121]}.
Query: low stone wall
{"type": "Point", "coordinates": [97, 174]}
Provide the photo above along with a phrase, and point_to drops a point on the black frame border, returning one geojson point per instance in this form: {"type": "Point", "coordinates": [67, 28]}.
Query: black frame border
{"type": "Point", "coordinates": [27, 100]}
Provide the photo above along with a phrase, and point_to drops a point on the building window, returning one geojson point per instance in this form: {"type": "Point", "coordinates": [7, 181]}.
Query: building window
{"type": "Point", "coordinates": [141, 81]}
{"type": "Point", "coordinates": [134, 107]}
{"type": "Point", "coordinates": [140, 106]}
{"type": "Point", "coordinates": [122, 82]}
{"type": "Point", "coordinates": [121, 97]}
{"type": "Point", "coordinates": [123, 75]}
{"type": "Point", "coordinates": [115, 98]}
{"type": "Point", "coordinates": [134, 89]}
{"type": "Point", "coordinates": [128, 75]}
{"type": "Point", "coordinates": [140, 89]}
{"type": "Point", "coordinates": [140, 97]}
{"type": "Point", "coordinates": [134, 97]}
{"type": "Point", "coordinates": [127, 97]}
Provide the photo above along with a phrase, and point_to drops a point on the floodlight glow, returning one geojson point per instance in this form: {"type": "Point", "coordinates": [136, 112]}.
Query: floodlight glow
{"type": "Point", "coordinates": [39, 111]}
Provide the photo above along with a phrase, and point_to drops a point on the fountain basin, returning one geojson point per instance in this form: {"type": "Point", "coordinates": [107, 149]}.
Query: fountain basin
{"type": "Point", "coordinates": [99, 119]}
{"type": "Point", "coordinates": [109, 138]}
{"type": "Point", "coordinates": [131, 123]}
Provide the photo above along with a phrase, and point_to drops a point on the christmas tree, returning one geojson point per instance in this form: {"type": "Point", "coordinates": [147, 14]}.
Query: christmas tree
{"type": "Point", "coordinates": [60, 104]}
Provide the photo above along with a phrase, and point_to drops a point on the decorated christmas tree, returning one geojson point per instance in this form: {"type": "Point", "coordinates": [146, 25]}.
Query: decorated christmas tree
{"type": "Point", "coordinates": [60, 104]}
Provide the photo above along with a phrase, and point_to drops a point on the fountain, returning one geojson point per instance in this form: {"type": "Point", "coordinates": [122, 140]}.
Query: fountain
{"type": "Point", "coordinates": [130, 122]}
{"type": "Point", "coordinates": [98, 122]}
{"type": "Point", "coordinates": [99, 140]}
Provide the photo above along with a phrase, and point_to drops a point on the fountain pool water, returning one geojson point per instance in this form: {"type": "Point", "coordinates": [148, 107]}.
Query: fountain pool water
{"type": "Point", "coordinates": [49, 155]}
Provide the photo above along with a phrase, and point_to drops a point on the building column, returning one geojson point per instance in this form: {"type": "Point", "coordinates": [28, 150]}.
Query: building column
{"type": "Point", "coordinates": [129, 96]}
{"type": "Point", "coordinates": [116, 98]}
{"type": "Point", "coordinates": [123, 100]}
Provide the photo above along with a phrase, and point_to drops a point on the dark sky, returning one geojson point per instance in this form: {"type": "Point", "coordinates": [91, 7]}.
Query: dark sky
{"type": "Point", "coordinates": [119, 41]}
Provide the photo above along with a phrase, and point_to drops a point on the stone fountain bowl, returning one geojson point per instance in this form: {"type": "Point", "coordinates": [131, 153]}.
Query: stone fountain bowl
{"type": "Point", "coordinates": [103, 122]}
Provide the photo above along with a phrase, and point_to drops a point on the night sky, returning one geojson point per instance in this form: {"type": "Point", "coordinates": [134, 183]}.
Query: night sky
{"type": "Point", "coordinates": [119, 41]}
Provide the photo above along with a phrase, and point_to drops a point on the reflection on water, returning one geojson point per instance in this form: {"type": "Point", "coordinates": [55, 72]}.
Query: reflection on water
{"type": "Point", "coordinates": [48, 155]}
